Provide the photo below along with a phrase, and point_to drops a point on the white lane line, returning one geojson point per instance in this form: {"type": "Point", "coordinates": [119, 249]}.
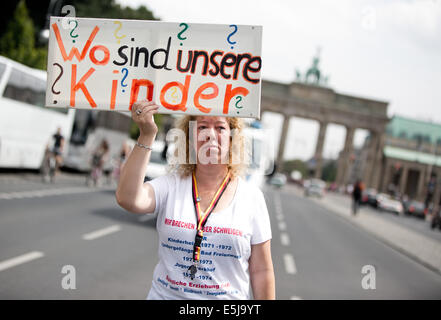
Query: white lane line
{"type": "Point", "coordinates": [278, 207]}
{"type": "Point", "coordinates": [27, 257]}
{"type": "Point", "coordinates": [290, 265]}
{"type": "Point", "coordinates": [282, 226]}
{"type": "Point", "coordinates": [284, 239]}
{"type": "Point", "coordinates": [49, 192]}
{"type": "Point", "coordinates": [295, 298]}
{"type": "Point", "coordinates": [101, 232]}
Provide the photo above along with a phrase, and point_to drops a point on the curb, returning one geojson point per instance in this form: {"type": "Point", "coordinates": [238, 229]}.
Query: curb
{"type": "Point", "coordinates": [384, 240]}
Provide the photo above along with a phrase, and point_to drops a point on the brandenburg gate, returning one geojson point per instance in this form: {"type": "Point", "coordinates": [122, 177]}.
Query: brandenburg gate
{"type": "Point", "coordinates": [313, 100]}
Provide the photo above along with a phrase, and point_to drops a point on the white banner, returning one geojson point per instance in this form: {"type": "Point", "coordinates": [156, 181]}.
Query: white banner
{"type": "Point", "coordinates": [186, 68]}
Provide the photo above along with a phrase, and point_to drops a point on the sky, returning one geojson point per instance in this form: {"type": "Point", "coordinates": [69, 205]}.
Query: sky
{"type": "Point", "coordinates": [381, 49]}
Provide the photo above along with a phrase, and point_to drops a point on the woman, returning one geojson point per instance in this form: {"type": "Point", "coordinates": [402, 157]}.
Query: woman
{"type": "Point", "coordinates": [99, 159]}
{"type": "Point", "coordinates": [213, 227]}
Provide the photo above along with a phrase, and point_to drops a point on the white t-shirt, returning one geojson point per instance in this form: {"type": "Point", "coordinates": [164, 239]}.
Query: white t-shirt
{"type": "Point", "coordinates": [226, 247]}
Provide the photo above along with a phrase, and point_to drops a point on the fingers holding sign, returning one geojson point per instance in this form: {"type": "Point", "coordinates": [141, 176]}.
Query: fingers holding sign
{"type": "Point", "coordinates": [142, 114]}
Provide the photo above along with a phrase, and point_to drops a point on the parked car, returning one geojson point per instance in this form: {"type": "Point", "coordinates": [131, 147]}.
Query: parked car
{"type": "Point", "coordinates": [369, 197]}
{"type": "Point", "coordinates": [315, 187]}
{"type": "Point", "coordinates": [414, 208]}
{"type": "Point", "coordinates": [386, 203]}
{"type": "Point", "coordinates": [277, 180]}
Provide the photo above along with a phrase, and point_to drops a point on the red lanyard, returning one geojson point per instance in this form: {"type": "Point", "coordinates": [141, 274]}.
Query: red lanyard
{"type": "Point", "coordinates": [202, 218]}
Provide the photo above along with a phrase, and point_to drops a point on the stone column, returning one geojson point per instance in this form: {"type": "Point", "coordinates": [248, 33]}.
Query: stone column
{"type": "Point", "coordinates": [340, 168]}
{"type": "Point", "coordinates": [437, 196]}
{"type": "Point", "coordinates": [403, 179]}
{"type": "Point", "coordinates": [345, 156]}
{"type": "Point", "coordinates": [282, 141]}
{"type": "Point", "coordinates": [421, 182]}
{"type": "Point", "coordinates": [370, 159]}
{"type": "Point", "coordinates": [384, 181]}
{"type": "Point", "coordinates": [319, 150]}
{"type": "Point", "coordinates": [376, 169]}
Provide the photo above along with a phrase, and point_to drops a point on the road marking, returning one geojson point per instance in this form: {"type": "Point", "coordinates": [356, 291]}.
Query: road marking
{"type": "Point", "coordinates": [295, 298]}
{"type": "Point", "coordinates": [50, 192]}
{"type": "Point", "coordinates": [27, 257]}
{"type": "Point", "coordinates": [282, 225]}
{"type": "Point", "coordinates": [290, 265]}
{"type": "Point", "coordinates": [101, 232]}
{"type": "Point", "coordinates": [284, 239]}
{"type": "Point", "coordinates": [278, 207]}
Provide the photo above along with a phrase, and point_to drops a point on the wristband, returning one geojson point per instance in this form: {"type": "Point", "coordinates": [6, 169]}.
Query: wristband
{"type": "Point", "coordinates": [143, 146]}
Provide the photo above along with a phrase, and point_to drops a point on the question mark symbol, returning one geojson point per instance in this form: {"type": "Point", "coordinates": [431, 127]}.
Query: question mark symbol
{"type": "Point", "coordinates": [173, 95]}
{"type": "Point", "coordinates": [238, 99]}
{"type": "Point", "coordinates": [231, 34]}
{"type": "Point", "coordinates": [124, 78]}
{"type": "Point", "coordinates": [182, 31]}
{"type": "Point", "coordinates": [73, 29]}
{"type": "Point", "coordinates": [56, 80]}
{"type": "Point", "coordinates": [116, 31]}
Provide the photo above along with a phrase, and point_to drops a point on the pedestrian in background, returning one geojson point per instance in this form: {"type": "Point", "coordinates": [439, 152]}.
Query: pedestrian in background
{"type": "Point", "coordinates": [356, 196]}
{"type": "Point", "coordinates": [99, 159]}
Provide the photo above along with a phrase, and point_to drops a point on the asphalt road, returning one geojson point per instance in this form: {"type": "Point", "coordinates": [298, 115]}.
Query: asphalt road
{"type": "Point", "coordinates": [329, 254]}
{"type": "Point", "coordinates": [413, 223]}
{"type": "Point", "coordinates": [317, 254]}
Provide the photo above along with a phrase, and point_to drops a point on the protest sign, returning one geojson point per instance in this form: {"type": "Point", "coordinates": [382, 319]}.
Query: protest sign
{"type": "Point", "coordinates": [186, 68]}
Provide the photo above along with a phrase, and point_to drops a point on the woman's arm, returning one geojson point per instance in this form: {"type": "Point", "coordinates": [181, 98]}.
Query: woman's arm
{"type": "Point", "coordinates": [132, 193]}
{"type": "Point", "coordinates": [262, 272]}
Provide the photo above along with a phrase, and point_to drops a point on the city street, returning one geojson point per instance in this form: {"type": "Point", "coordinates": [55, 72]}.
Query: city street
{"type": "Point", "coordinates": [317, 254]}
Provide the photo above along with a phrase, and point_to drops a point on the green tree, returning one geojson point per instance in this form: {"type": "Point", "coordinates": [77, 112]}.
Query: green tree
{"type": "Point", "coordinates": [110, 9]}
{"type": "Point", "coordinates": [18, 42]}
{"type": "Point", "coordinates": [297, 164]}
{"type": "Point", "coordinates": [329, 171]}
{"type": "Point", "coordinates": [21, 27]}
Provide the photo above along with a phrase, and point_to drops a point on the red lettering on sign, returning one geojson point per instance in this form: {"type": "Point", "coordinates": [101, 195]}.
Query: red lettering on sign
{"type": "Point", "coordinates": [74, 51]}
{"type": "Point", "coordinates": [200, 95]}
{"type": "Point", "coordinates": [184, 89]}
{"type": "Point", "coordinates": [95, 60]}
{"type": "Point", "coordinates": [74, 86]}
{"type": "Point", "coordinates": [136, 83]}
{"type": "Point", "coordinates": [230, 93]}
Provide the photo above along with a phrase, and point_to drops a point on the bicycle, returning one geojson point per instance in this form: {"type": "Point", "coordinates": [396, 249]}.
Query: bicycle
{"type": "Point", "coordinates": [95, 172]}
{"type": "Point", "coordinates": [49, 166]}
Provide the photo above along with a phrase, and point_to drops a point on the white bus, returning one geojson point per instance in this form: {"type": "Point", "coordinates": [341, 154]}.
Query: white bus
{"type": "Point", "coordinates": [261, 152]}
{"type": "Point", "coordinates": [26, 125]}
{"type": "Point", "coordinates": [90, 128]}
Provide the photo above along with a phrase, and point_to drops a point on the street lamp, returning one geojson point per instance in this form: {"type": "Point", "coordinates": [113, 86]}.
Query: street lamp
{"type": "Point", "coordinates": [54, 7]}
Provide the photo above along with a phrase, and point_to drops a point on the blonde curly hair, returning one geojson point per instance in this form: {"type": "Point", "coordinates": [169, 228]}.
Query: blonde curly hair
{"type": "Point", "coordinates": [236, 148]}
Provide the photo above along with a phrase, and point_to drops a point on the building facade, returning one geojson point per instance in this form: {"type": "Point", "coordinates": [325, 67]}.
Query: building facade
{"type": "Point", "coordinates": [411, 161]}
{"type": "Point", "coordinates": [326, 106]}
